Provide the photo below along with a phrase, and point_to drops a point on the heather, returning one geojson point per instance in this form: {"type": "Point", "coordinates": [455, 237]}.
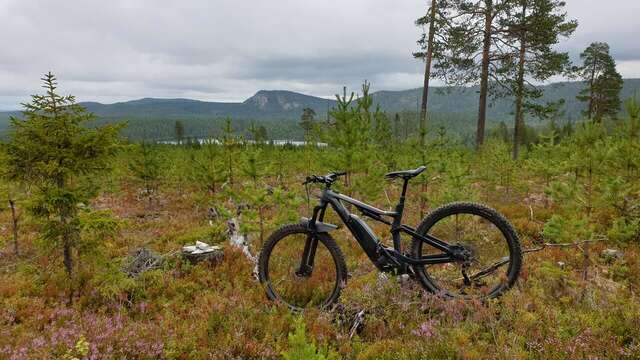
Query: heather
{"type": "Point", "coordinates": [571, 195]}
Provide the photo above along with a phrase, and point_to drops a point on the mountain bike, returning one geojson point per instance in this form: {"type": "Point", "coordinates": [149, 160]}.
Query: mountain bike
{"type": "Point", "coordinates": [460, 249]}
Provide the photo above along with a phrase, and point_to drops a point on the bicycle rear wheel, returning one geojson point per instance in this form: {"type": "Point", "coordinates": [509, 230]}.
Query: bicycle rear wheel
{"type": "Point", "coordinates": [279, 268]}
{"type": "Point", "coordinates": [496, 257]}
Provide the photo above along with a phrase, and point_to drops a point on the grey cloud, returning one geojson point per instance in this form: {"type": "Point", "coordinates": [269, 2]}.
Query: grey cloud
{"type": "Point", "coordinates": [226, 50]}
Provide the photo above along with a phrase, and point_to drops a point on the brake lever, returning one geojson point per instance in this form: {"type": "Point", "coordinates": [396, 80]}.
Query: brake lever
{"type": "Point", "coordinates": [311, 179]}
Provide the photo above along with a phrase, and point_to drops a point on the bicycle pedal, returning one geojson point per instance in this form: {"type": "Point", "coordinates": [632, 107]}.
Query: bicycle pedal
{"type": "Point", "coordinates": [403, 278]}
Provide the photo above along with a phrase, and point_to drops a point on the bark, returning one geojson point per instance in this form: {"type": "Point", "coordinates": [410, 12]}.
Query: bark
{"type": "Point", "coordinates": [67, 242]}
{"type": "Point", "coordinates": [423, 190]}
{"type": "Point", "coordinates": [591, 81]}
{"type": "Point", "coordinates": [484, 74]}
{"type": "Point", "coordinates": [427, 74]}
{"type": "Point", "coordinates": [230, 168]}
{"type": "Point", "coordinates": [519, 117]}
{"type": "Point", "coordinates": [68, 263]}
{"type": "Point", "coordinates": [261, 217]}
{"type": "Point", "coordinates": [14, 220]}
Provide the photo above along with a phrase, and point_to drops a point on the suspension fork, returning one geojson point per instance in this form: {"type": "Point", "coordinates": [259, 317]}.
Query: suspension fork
{"type": "Point", "coordinates": [311, 244]}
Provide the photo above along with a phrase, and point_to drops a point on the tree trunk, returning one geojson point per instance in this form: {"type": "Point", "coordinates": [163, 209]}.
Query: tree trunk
{"type": "Point", "coordinates": [68, 263]}
{"type": "Point", "coordinates": [519, 118]}
{"type": "Point", "coordinates": [67, 245]}
{"type": "Point", "coordinates": [261, 217]}
{"type": "Point", "coordinates": [591, 81]}
{"type": "Point", "coordinates": [427, 74]}
{"type": "Point", "coordinates": [484, 74]}
{"type": "Point", "coordinates": [14, 220]}
{"type": "Point", "coordinates": [406, 128]}
{"type": "Point", "coordinates": [230, 168]}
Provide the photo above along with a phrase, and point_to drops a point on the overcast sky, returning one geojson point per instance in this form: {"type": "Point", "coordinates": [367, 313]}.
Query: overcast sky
{"type": "Point", "coordinates": [226, 50]}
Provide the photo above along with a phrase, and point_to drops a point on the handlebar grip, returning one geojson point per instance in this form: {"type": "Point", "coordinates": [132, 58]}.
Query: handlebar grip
{"type": "Point", "coordinates": [327, 179]}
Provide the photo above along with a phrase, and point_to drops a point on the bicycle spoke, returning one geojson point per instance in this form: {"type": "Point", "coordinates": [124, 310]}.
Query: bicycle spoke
{"type": "Point", "coordinates": [291, 277]}
{"type": "Point", "coordinates": [483, 242]}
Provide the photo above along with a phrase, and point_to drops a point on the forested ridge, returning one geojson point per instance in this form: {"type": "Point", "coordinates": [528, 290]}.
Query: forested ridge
{"type": "Point", "coordinates": [454, 108]}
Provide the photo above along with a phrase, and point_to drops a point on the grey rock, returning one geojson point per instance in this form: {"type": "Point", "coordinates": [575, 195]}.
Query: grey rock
{"type": "Point", "coordinates": [213, 257]}
{"type": "Point", "coordinates": [611, 254]}
{"type": "Point", "coordinates": [202, 251]}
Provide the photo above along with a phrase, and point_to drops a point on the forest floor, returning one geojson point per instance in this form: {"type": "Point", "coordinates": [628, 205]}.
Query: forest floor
{"type": "Point", "coordinates": [570, 302]}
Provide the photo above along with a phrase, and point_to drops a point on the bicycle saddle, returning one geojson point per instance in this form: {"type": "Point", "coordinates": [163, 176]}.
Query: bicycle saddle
{"type": "Point", "coordinates": [405, 174]}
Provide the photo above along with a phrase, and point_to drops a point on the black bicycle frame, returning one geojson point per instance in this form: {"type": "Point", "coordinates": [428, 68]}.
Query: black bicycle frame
{"type": "Point", "coordinates": [384, 258]}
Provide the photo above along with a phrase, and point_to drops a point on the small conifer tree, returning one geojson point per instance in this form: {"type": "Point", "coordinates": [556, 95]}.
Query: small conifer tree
{"type": "Point", "coordinates": [229, 142]}
{"type": "Point", "coordinates": [52, 149]}
{"type": "Point", "coordinates": [146, 169]}
{"type": "Point", "coordinates": [179, 130]}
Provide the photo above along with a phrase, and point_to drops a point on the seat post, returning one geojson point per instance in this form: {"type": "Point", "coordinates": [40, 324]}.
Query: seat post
{"type": "Point", "coordinates": [400, 207]}
{"type": "Point", "coordinates": [404, 188]}
{"type": "Point", "coordinates": [397, 219]}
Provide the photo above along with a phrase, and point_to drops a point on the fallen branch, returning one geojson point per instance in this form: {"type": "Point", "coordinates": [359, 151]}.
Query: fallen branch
{"type": "Point", "coordinates": [357, 323]}
{"type": "Point", "coordinates": [238, 240]}
{"type": "Point", "coordinates": [577, 244]}
{"type": "Point", "coordinates": [495, 266]}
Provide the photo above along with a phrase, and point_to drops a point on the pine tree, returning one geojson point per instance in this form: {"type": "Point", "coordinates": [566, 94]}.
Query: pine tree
{"type": "Point", "coordinates": [350, 133]}
{"type": "Point", "coordinates": [546, 158]}
{"type": "Point", "coordinates": [435, 21]}
{"type": "Point", "coordinates": [632, 107]}
{"type": "Point", "coordinates": [474, 37]}
{"type": "Point", "coordinates": [229, 142]}
{"type": "Point", "coordinates": [146, 169]}
{"type": "Point", "coordinates": [383, 138]}
{"type": "Point", "coordinates": [533, 27]}
{"type": "Point", "coordinates": [261, 134]}
{"type": "Point", "coordinates": [255, 193]}
{"type": "Point", "coordinates": [396, 127]}
{"type": "Point", "coordinates": [206, 169]}
{"type": "Point", "coordinates": [306, 121]}
{"type": "Point", "coordinates": [258, 133]}
{"type": "Point", "coordinates": [604, 83]}
{"type": "Point", "coordinates": [502, 132]}
{"type": "Point", "coordinates": [54, 151]}
{"type": "Point", "coordinates": [179, 131]}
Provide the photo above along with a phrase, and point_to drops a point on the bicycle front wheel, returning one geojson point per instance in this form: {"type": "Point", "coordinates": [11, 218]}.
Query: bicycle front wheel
{"type": "Point", "coordinates": [495, 255]}
{"type": "Point", "coordinates": [297, 282]}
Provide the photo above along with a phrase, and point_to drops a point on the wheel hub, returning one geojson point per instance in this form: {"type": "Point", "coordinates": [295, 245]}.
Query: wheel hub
{"type": "Point", "coordinates": [464, 254]}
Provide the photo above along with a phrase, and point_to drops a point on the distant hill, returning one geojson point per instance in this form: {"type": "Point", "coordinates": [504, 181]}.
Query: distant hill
{"type": "Point", "coordinates": [265, 104]}
{"type": "Point", "coordinates": [273, 108]}
{"type": "Point", "coordinates": [464, 100]}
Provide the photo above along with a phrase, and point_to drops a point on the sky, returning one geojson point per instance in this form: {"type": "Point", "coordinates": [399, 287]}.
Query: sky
{"type": "Point", "coordinates": [226, 50]}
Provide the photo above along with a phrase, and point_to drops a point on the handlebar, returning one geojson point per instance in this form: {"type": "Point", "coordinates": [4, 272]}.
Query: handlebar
{"type": "Point", "coordinates": [326, 179]}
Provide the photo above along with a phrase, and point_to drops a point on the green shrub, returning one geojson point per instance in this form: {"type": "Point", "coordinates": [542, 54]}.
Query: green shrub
{"type": "Point", "coordinates": [300, 348]}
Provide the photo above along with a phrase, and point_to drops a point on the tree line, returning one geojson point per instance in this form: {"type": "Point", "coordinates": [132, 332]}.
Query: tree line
{"type": "Point", "coordinates": [507, 47]}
